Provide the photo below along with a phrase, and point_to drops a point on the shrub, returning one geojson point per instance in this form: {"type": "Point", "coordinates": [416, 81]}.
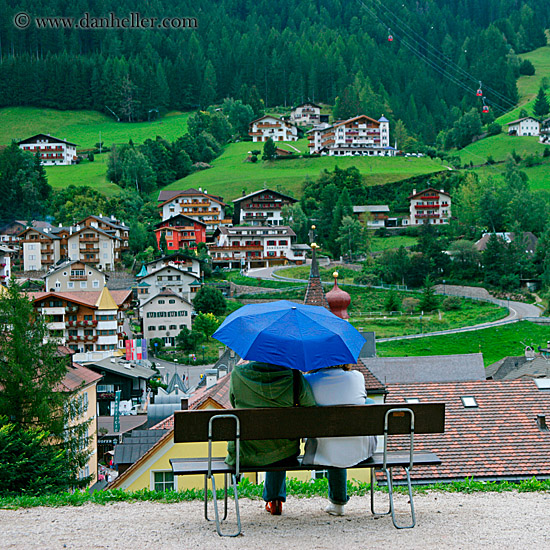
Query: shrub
{"type": "Point", "coordinates": [253, 158]}
{"type": "Point", "coordinates": [526, 68]}
{"type": "Point", "coordinates": [410, 305]}
{"type": "Point", "coordinates": [546, 152]}
{"type": "Point", "coordinates": [490, 159]}
{"type": "Point", "coordinates": [494, 129]}
{"type": "Point", "coordinates": [451, 303]}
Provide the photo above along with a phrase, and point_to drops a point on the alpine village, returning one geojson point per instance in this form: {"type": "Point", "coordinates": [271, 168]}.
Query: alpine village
{"type": "Point", "coordinates": [164, 164]}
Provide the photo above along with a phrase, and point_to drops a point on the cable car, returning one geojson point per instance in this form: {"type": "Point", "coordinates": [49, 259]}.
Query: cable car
{"type": "Point", "coordinates": [390, 38]}
{"type": "Point", "coordinates": [479, 93]}
{"type": "Point", "coordinates": [485, 109]}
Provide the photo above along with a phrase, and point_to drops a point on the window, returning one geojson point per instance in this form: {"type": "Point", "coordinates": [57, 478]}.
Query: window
{"type": "Point", "coordinates": [83, 284]}
{"type": "Point", "coordinates": [105, 245]}
{"type": "Point", "coordinates": [271, 243]}
{"type": "Point", "coordinates": [151, 327]}
{"type": "Point", "coordinates": [164, 481]}
{"type": "Point", "coordinates": [162, 327]}
{"type": "Point", "coordinates": [469, 401]}
{"type": "Point", "coordinates": [32, 257]}
{"type": "Point", "coordinates": [32, 247]}
{"type": "Point", "coordinates": [95, 284]}
{"type": "Point", "coordinates": [173, 327]}
{"type": "Point", "coordinates": [161, 302]}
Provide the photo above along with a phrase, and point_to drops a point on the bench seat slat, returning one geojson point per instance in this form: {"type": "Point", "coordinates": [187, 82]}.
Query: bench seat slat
{"type": "Point", "coordinates": [188, 466]}
{"type": "Point", "coordinates": [298, 422]}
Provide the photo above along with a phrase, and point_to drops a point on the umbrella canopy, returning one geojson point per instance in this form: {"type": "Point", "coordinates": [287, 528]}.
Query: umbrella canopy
{"type": "Point", "coordinates": [291, 335]}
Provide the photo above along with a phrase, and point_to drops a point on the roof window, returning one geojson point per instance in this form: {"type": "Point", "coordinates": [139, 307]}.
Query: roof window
{"type": "Point", "coordinates": [412, 400]}
{"type": "Point", "coordinates": [469, 401]}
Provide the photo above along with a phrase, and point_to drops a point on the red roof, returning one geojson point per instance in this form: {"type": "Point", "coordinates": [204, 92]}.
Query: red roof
{"type": "Point", "coordinates": [498, 439]}
{"type": "Point", "coordinates": [88, 298]}
{"type": "Point", "coordinates": [78, 376]}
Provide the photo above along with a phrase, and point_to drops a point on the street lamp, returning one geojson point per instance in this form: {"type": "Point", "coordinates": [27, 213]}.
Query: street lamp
{"type": "Point", "coordinates": [156, 345]}
{"type": "Point", "coordinates": [443, 287]}
{"type": "Point", "coordinates": [203, 354]}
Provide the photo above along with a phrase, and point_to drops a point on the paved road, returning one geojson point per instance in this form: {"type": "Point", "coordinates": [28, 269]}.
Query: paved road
{"type": "Point", "coordinates": [192, 372]}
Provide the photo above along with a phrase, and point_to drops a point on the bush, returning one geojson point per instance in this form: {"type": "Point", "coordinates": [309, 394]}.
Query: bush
{"type": "Point", "coordinates": [158, 347]}
{"type": "Point", "coordinates": [91, 157]}
{"type": "Point", "coordinates": [451, 303]}
{"type": "Point", "coordinates": [526, 68]}
{"type": "Point", "coordinates": [494, 129]}
{"type": "Point", "coordinates": [410, 305]}
{"type": "Point", "coordinates": [253, 158]}
{"type": "Point", "coordinates": [546, 152]}
{"type": "Point", "coordinates": [209, 300]}
{"type": "Point", "coordinates": [532, 160]}
{"type": "Point", "coordinates": [490, 159]}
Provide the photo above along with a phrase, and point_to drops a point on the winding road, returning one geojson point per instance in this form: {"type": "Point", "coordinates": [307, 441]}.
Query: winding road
{"type": "Point", "coordinates": [517, 311]}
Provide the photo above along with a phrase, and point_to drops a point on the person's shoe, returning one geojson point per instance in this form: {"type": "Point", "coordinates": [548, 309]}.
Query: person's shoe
{"type": "Point", "coordinates": [335, 509]}
{"type": "Point", "coordinates": [274, 507]}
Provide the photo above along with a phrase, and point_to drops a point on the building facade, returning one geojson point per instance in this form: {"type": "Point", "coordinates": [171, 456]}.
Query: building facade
{"type": "Point", "coordinates": [358, 136]}
{"type": "Point", "coordinates": [180, 232]}
{"type": "Point", "coordinates": [527, 126]}
{"type": "Point", "coordinates": [165, 315]}
{"type": "Point", "coordinates": [306, 113]}
{"type": "Point", "coordinates": [372, 216]}
{"type": "Point", "coordinates": [74, 275]}
{"type": "Point", "coordinates": [175, 278]}
{"type": "Point", "coordinates": [195, 204]}
{"type": "Point", "coordinates": [248, 246]}
{"type": "Point", "coordinates": [262, 207]}
{"type": "Point", "coordinates": [52, 150]}
{"type": "Point", "coordinates": [89, 323]}
{"type": "Point", "coordinates": [431, 206]}
{"type": "Point", "coordinates": [272, 127]}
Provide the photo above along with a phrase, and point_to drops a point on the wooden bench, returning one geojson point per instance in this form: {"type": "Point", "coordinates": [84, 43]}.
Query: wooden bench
{"type": "Point", "coordinates": [301, 422]}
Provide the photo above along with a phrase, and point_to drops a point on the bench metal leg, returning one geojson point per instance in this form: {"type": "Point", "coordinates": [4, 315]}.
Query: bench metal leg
{"type": "Point", "coordinates": [392, 507]}
{"type": "Point", "coordinates": [374, 513]}
{"type": "Point", "coordinates": [215, 498]}
{"type": "Point", "coordinates": [206, 498]}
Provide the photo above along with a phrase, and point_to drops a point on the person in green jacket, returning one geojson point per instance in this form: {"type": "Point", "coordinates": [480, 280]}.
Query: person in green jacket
{"type": "Point", "coordinates": [255, 384]}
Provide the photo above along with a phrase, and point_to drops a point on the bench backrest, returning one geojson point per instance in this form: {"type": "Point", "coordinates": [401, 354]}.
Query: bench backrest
{"type": "Point", "coordinates": [298, 422]}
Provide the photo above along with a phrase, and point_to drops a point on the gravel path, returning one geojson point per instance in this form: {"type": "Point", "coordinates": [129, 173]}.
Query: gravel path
{"type": "Point", "coordinates": [444, 520]}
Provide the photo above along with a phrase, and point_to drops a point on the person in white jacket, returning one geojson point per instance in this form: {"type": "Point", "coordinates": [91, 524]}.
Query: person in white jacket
{"type": "Point", "coordinates": [338, 386]}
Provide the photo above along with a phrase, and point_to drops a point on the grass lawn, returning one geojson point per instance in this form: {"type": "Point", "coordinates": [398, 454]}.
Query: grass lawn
{"type": "Point", "coordinates": [499, 147]}
{"type": "Point", "coordinates": [495, 343]}
{"type": "Point", "coordinates": [528, 86]}
{"type": "Point", "coordinates": [83, 127]}
{"type": "Point", "coordinates": [92, 174]}
{"type": "Point", "coordinates": [378, 244]}
{"type": "Point", "coordinates": [230, 174]}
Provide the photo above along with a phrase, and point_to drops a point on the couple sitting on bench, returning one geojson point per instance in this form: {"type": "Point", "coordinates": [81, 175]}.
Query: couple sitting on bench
{"type": "Point", "coordinates": [255, 384]}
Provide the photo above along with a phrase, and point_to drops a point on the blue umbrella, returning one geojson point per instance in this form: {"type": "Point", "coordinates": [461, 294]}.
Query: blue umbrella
{"type": "Point", "coordinates": [291, 335]}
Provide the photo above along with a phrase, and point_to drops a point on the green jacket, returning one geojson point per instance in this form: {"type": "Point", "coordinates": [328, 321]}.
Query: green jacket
{"type": "Point", "coordinates": [263, 385]}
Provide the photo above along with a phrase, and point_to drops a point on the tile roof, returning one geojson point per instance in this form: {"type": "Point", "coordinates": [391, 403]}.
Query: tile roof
{"type": "Point", "coordinates": [436, 368]}
{"type": "Point", "coordinates": [372, 384]}
{"type": "Point", "coordinates": [85, 297]}
{"type": "Point", "coordinates": [499, 439]}
{"type": "Point", "coordinates": [502, 368]}
{"type": "Point", "coordinates": [79, 376]}
{"type": "Point", "coordinates": [538, 368]}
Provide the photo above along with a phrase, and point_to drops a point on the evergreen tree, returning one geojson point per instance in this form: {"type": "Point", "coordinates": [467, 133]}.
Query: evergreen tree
{"type": "Point", "coordinates": [270, 150]}
{"type": "Point", "coordinates": [31, 375]}
{"type": "Point", "coordinates": [428, 301]}
{"type": "Point", "coordinates": [210, 300]}
{"type": "Point", "coordinates": [392, 301]}
{"type": "Point", "coordinates": [541, 107]}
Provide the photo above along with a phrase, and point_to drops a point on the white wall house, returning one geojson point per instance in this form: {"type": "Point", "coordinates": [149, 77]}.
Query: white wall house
{"type": "Point", "coordinates": [430, 206]}
{"type": "Point", "coordinates": [196, 204]}
{"type": "Point", "coordinates": [527, 126]}
{"type": "Point", "coordinates": [52, 150]}
{"type": "Point", "coordinates": [178, 280]}
{"type": "Point", "coordinates": [74, 275]}
{"type": "Point", "coordinates": [272, 127]}
{"type": "Point", "coordinates": [306, 113]}
{"type": "Point", "coordinates": [165, 315]}
{"type": "Point", "coordinates": [250, 246]}
{"type": "Point", "coordinates": [5, 264]}
{"type": "Point", "coordinates": [358, 136]}
{"type": "Point", "coordinates": [92, 245]}
{"type": "Point", "coordinates": [263, 207]}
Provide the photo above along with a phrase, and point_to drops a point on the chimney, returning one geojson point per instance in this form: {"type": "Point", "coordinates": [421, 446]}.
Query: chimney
{"type": "Point", "coordinates": [541, 422]}
{"type": "Point", "coordinates": [414, 191]}
{"type": "Point", "coordinates": [442, 190]}
{"type": "Point", "coordinates": [184, 404]}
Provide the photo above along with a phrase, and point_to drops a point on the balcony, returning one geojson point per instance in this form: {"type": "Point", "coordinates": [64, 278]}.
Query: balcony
{"type": "Point", "coordinates": [429, 197]}
{"type": "Point", "coordinates": [236, 248]}
{"type": "Point", "coordinates": [71, 309]}
{"type": "Point", "coordinates": [427, 205]}
{"type": "Point", "coordinates": [82, 338]}
{"type": "Point", "coordinates": [427, 215]}
{"type": "Point", "coordinates": [78, 277]}
{"type": "Point", "coordinates": [89, 239]}
{"type": "Point", "coordinates": [82, 323]}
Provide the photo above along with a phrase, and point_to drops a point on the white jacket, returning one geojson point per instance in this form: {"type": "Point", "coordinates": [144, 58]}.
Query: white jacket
{"type": "Point", "coordinates": [334, 386]}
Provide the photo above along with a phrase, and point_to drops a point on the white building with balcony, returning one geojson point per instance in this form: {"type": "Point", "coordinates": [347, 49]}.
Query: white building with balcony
{"type": "Point", "coordinates": [74, 275]}
{"type": "Point", "coordinates": [526, 126]}
{"type": "Point", "coordinates": [263, 207]}
{"type": "Point", "coordinates": [53, 151]}
{"type": "Point", "coordinates": [248, 247]}
{"type": "Point", "coordinates": [272, 127]}
{"type": "Point", "coordinates": [358, 136]}
{"type": "Point", "coordinates": [431, 206]}
{"type": "Point", "coordinates": [306, 113]}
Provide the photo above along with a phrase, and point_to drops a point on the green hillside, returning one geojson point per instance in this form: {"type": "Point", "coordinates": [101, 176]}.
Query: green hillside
{"type": "Point", "coordinates": [92, 174]}
{"type": "Point", "coordinates": [499, 147]}
{"type": "Point", "coordinates": [230, 173]}
{"type": "Point", "coordinates": [528, 86]}
{"type": "Point", "coordinates": [83, 127]}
